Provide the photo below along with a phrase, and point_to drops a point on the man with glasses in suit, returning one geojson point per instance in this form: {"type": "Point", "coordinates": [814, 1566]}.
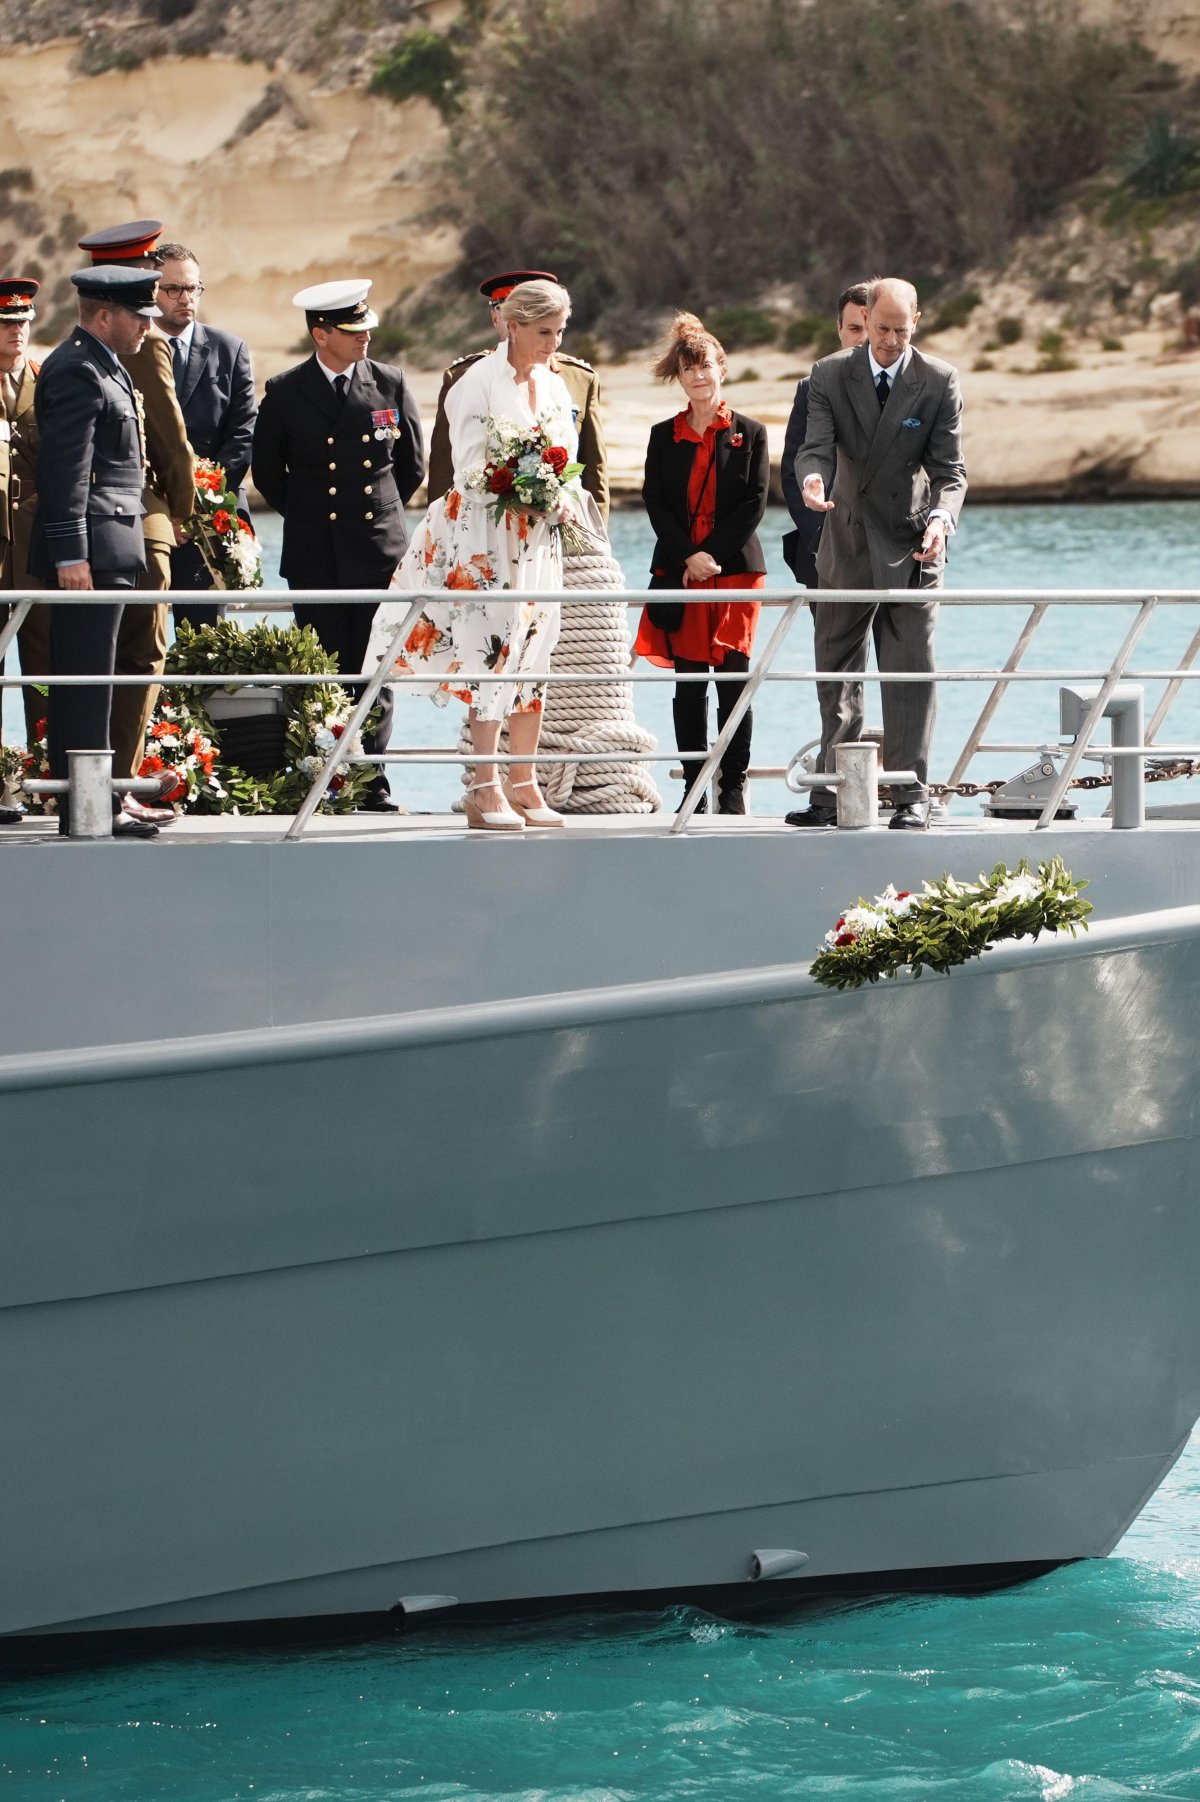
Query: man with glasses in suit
{"type": "Point", "coordinates": [215, 387]}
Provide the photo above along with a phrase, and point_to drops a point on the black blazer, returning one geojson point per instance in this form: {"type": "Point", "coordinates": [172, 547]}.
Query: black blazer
{"type": "Point", "coordinates": [90, 464]}
{"type": "Point", "coordinates": [216, 395]}
{"type": "Point", "coordinates": [800, 544]}
{"type": "Point", "coordinates": [743, 483]}
{"type": "Point", "coordinates": [341, 490]}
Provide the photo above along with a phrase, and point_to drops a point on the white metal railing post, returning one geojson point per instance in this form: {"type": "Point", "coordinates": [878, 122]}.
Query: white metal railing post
{"type": "Point", "coordinates": [1167, 699]}
{"type": "Point", "coordinates": [737, 713]}
{"type": "Point", "coordinates": [1095, 714]}
{"type": "Point", "coordinates": [12, 625]}
{"type": "Point", "coordinates": [366, 701]}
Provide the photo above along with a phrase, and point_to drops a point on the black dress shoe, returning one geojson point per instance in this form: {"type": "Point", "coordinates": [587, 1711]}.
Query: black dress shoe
{"type": "Point", "coordinates": [907, 819]}
{"type": "Point", "coordinates": [11, 816]}
{"type": "Point", "coordinates": [378, 804]}
{"type": "Point", "coordinates": [731, 800]}
{"type": "Point", "coordinates": [701, 805]}
{"type": "Point", "coordinates": [810, 816]}
{"type": "Point", "coordinates": [125, 826]}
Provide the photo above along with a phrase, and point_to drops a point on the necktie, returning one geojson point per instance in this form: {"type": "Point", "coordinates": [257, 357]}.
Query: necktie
{"type": "Point", "coordinates": [9, 385]}
{"type": "Point", "coordinates": [180, 361]}
{"type": "Point", "coordinates": [340, 384]}
{"type": "Point", "coordinates": [883, 388]}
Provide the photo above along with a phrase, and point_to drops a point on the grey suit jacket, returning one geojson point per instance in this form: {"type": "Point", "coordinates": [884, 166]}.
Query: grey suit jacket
{"type": "Point", "coordinates": [884, 472]}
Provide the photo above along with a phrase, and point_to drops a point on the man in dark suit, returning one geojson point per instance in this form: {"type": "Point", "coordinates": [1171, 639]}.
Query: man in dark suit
{"type": "Point", "coordinates": [885, 433]}
{"type": "Point", "coordinates": [800, 544]}
{"type": "Point", "coordinates": [583, 385]}
{"type": "Point", "coordinates": [88, 530]}
{"type": "Point", "coordinates": [338, 451]}
{"type": "Point", "coordinates": [216, 394]}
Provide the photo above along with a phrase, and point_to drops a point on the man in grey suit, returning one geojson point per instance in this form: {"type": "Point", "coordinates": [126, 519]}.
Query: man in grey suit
{"type": "Point", "coordinates": [885, 436]}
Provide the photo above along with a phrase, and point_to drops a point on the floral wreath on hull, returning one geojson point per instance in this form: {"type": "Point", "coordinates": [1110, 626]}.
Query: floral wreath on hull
{"type": "Point", "coordinates": [183, 737]}
{"type": "Point", "coordinates": [948, 923]}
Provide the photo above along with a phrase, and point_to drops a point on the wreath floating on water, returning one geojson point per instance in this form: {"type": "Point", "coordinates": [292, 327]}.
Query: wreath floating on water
{"type": "Point", "coordinates": [184, 738]}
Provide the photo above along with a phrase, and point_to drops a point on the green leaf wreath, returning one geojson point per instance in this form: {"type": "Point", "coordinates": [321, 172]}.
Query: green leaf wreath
{"type": "Point", "coordinates": [948, 922]}
{"type": "Point", "coordinates": [315, 716]}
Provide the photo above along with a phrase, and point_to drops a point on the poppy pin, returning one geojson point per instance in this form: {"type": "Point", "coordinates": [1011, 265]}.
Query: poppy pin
{"type": "Point", "coordinates": [736, 440]}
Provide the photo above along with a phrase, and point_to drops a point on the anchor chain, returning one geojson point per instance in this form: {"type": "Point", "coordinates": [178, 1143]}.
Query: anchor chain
{"type": "Point", "coordinates": [1155, 772]}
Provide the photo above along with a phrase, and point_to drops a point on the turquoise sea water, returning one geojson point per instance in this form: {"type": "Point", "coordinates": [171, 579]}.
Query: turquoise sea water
{"type": "Point", "coordinates": [1081, 1684]}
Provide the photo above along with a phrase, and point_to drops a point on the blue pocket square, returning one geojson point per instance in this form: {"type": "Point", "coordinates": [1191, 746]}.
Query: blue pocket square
{"type": "Point", "coordinates": [910, 422]}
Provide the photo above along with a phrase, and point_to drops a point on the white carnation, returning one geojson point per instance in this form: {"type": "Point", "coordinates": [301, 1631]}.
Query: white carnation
{"type": "Point", "coordinates": [1021, 887]}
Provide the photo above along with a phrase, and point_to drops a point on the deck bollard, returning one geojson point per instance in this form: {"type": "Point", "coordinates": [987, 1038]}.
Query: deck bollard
{"type": "Point", "coordinates": [90, 793]}
{"type": "Point", "coordinates": [1125, 707]}
{"type": "Point", "coordinates": [857, 765]}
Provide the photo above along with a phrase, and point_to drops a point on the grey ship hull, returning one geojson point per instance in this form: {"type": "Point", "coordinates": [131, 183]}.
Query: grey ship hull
{"type": "Point", "coordinates": [598, 1288]}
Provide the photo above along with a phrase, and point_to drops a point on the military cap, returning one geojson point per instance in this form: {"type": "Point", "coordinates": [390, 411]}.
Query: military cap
{"type": "Point", "coordinates": [120, 286]}
{"type": "Point", "coordinates": [498, 287]}
{"type": "Point", "coordinates": [341, 306]}
{"type": "Point", "coordinates": [16, 298]}
{"type": "Point", "coordinates": [127, 243]}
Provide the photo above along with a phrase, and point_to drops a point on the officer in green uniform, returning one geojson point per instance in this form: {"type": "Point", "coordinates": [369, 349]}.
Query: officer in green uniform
{"type": "Point", "coordinates": [582, 382]}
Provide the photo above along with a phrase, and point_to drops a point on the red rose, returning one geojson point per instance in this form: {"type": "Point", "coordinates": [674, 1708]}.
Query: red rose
{"type": "Point", "coordinates": [220, 521]}
{"type": "Point", "coordinates": [557, 458]}
{"type": "Point", "coordinates": [245, 526]}
{"type": "Point", "coordinates": [845, 938]}
{"type": "Point", "coordinates": [501, 480]}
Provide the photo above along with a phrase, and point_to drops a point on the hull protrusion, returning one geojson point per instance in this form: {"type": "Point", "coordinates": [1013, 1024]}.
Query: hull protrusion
{"type": "Point", "coordinates": [776, 1563]}
{"type": "Point", "coordinates": [423, 1604]}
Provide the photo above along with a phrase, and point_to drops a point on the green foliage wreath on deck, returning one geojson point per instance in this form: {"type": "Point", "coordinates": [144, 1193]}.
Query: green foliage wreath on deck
{"type": "Point", "coordinates": [948, 923]}
{"type": "Point", "coordinates": [314, 716]}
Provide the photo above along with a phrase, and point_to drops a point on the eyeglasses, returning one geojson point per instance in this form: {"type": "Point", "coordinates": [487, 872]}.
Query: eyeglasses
{"type": "Point", "coordinates": [176, 290]}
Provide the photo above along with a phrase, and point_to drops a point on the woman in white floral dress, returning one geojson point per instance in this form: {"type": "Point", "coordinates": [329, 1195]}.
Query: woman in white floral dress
{"type": "Point", "coordinates": [461, 545]}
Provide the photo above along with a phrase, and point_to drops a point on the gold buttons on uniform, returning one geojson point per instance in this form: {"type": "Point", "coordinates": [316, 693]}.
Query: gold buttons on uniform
{"type": "Point", "coordinates": [366, 462]}
{"type": "Point", "coordinates": [367, 489]}
{"type": "Point", "coordinates": [368, 515]}
{"type": "Point", "coordinates": [333, 466]}
{"type": "Point", "coordinates": [366, 437]}
{"type": "Point", "coordinates": [333, 516]}
{"type": "Point", "coordinates": [333, 491]}
{"type": "Point", "coordinates": [329, 440]}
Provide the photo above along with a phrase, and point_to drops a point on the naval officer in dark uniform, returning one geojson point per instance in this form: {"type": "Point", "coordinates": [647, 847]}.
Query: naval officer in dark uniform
{"type": "Point", "coordinates": [338, 451]}
{"type": "Point", "coordinates": [583, 385]}
{"type": "Point", "coordinates": [91, 469]}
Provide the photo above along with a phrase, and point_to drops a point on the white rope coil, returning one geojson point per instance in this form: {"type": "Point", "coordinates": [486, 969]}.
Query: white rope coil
{"type": "Point", "coordinates": [579, 719]}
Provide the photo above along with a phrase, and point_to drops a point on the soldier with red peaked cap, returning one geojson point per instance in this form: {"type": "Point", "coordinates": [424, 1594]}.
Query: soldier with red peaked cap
{"type": "Point", "coordinates": [581, 379]}
{"type": "Point", "coordinates": [169, 499]}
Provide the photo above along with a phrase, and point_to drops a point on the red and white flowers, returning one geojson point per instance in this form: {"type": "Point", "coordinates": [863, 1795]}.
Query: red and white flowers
{"type": "Point", "coordinates": [525, 471]}
{"type": "Point", "coordinates": [224, 539]}
{"type": "Point", "coordinates": [176, 743]}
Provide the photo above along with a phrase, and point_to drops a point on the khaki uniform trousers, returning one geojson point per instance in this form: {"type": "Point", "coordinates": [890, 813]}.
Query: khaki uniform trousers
{"type": "Point", "coordinates": [141, 651]}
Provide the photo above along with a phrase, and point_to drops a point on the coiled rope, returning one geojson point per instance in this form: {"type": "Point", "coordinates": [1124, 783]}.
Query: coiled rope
{"type": "Point", "coordinates": [582, 718]}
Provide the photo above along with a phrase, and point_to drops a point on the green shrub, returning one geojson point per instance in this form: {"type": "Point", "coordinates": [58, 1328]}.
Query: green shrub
{"type": "Point", "coordinates": [1009, 330]}
{"type": "Point", "coordinates": [956, 311]}
{"type": "Point", "coordinates": [388, 340]}
{"type": "Point", "coordinates": [16, 181]}
{"type": "Point", "coordinates": [578, 153]}
{"type": "Point", "coordinates": [1054, 361]}
{"type": "Point", "coordinates": [1050, 343]}
{"type": "Point", "coordinates": [982, 363]}
{"type": "Point", "coordinates": [741, 327]}
{"type": "Point", "coordinates": [1112, 344]}
{"type": "Point", "coordinates": [1164, 161]}
{"type": "Point", "coordinates": [747, 375]}
{"type": "Point", "coordinates": [1186, 278]}
{"type": "Point", "coordinates": [423, 63]}
{"type": "Point", "coordinates": [803, 330]}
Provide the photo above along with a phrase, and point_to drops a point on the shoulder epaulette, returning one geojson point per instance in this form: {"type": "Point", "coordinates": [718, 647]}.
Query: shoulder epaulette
{"type": "Point", "coordinates": [575, 362]}
{"type": "Point", "coordinates": [472, 356]}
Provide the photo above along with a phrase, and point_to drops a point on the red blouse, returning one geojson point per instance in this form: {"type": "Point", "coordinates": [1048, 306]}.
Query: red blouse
{"type": "Point", "coordinates": [707, 632]}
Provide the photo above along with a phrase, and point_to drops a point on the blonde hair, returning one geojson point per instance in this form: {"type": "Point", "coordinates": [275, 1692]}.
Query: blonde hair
{"type": "Point", "coordinates": [688, 345]}
{"type": "Point", "coordinates": [531, 301]}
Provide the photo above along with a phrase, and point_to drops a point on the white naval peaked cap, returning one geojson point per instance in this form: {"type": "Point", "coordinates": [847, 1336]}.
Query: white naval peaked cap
{"type": "Point", "coordinates": [339, 305]}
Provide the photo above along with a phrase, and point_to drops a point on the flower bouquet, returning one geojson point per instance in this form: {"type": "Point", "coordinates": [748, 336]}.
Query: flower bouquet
{"type": "Point", "coordinates": [526, 472]}
{"type": "Point", "coordinates": [948, 923]}
{"type": "Point", "coordinates": [176, 743]}
{"type": "Point", "coordinates": [224, 539]}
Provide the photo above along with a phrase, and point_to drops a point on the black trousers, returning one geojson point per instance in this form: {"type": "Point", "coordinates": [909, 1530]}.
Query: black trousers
{"type": "Point", "coordinates": [344, 631]}
{"type": "Point", "coordinates": [83, 642]}
{"type": "Point", "coordinates": [690, 711]}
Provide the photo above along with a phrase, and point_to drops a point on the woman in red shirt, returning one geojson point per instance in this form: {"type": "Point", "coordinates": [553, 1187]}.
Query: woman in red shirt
{"type": "Point", "coordinates": [707, 477]}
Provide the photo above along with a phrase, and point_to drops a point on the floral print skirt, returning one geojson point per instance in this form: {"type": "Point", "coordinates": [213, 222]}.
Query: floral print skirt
{"type": "Point", "coordinates": [459, 546]}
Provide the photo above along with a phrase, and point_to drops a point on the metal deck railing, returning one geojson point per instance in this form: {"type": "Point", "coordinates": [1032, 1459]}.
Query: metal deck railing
{"type": "Point", "coordinates": [1109, 679]}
